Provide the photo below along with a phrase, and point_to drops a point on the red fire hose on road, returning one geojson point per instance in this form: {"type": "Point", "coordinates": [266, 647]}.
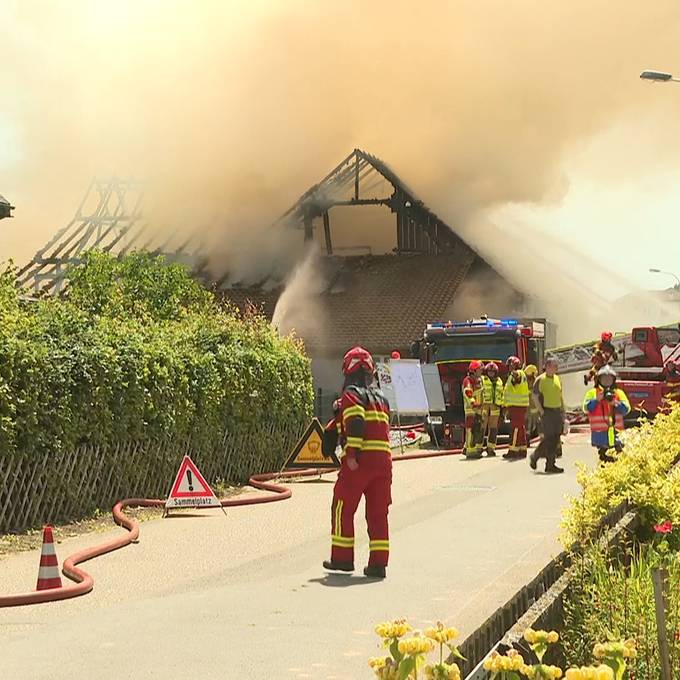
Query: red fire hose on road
{"type": "Point", "coordinates": [84, 582]}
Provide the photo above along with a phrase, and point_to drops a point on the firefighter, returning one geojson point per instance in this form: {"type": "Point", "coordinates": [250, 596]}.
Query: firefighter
{"type": "Point", "coordinates": [604, 353]}
{"type": "Point", "coordinates": [533, 418]}
{"type": "Point", "coordinates": [492, 400]}
{"type": "Point", "coordinates": [472, 404]}
{"type": "Point", "coordinates": [363, 424]}
{"type": "Point", "coordinates": [672, 369]}
{"type": "Point", "coordinates": [516, 401]}
{"type": "Point", "coordinates": [606, 405]}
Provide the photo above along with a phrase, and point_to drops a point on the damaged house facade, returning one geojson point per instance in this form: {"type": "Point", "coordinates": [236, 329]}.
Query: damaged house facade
{"type": "Point", "coordinates": [386, 265]}
{"type": "Point", "coordinates": [375, 264]}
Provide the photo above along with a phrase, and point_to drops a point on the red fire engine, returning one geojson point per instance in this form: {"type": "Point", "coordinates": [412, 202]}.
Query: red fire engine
{"type": "Point", "coordinates": [452, 345]}
{"type": "Point", "coordinates": [642, 373]}
{"type": "Point", "coordinates": [644, 355]}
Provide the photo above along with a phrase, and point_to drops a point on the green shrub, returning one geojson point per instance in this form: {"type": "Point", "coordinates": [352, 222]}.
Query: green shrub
{"type": "Point", "coordinates": [640, 476]}
{"type": "Point", "coordinates": [140, 352]}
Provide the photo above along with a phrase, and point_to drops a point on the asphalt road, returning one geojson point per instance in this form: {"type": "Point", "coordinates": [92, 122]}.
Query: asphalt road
{"type": "Point", "coordinates": [245, 596]}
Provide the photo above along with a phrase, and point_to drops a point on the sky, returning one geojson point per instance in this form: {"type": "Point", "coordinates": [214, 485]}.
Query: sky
{"type": "Point", "coordinates": [529, 115]}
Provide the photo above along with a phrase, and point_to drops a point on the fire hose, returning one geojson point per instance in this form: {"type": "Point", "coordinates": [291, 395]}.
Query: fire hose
{"type": "Point", "coordinates": [84, 583]}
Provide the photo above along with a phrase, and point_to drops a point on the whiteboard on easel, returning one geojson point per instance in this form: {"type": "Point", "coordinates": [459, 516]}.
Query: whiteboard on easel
{"type": "Point", "coordinates": [409, 387]}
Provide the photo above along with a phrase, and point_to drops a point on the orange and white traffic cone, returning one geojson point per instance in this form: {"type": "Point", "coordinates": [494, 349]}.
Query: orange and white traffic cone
{"type": "Point", "coordinates": [48, 576]}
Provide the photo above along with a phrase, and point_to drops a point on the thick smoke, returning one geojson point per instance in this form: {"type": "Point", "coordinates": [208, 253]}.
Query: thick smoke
{"type": "Point", "coordinates": [230, 109]}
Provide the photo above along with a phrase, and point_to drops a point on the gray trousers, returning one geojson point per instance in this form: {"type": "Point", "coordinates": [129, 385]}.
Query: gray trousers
{"type": "Point", "coordinates": [552, 423]}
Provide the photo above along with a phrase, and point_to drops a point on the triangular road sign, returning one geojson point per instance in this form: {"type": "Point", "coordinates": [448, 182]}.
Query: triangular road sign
{"type": "Point", "coordinates": [190, 490]}
{"type": "Point", "coordinates": [308, 451]}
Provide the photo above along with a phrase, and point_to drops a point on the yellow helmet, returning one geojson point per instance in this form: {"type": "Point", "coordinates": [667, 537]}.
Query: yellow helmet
{"type": "Point", "coordinates": [531, 370]}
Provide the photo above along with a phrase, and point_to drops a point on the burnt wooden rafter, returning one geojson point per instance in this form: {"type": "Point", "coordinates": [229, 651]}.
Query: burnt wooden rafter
{"type": "Point", "coordinates": [109, 218]}
{"type": "Point", "coordinates": [355, 182]}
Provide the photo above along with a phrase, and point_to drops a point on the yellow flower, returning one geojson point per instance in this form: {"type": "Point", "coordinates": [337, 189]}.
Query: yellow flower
{"type": "Point", "coordinates": [416, 645]}
{"type": "Point", "coordinates": [392, 629]}
{"type": "Point", "coordinates": [599, 651]}
{"type": "Point", "coordinates": [442, 671]}
{"type": "Point", "coordinates": [553, 637]}
{"type": "Point", "coordinates": [377, 662]}
{"type": "Point", "coordinates": [530, 635]}
{"type": "Point", "coordinates": [604, 673]}
{"type": "Point", "coordinates": [441, 634]}
{"type": "Point", "coordinates": [590, 673]}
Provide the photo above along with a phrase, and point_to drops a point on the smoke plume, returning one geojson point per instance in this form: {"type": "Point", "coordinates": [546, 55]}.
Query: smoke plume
{"type": "Point", "coordinates": [299, 309]}
{"type": "Point", "coordinates": [230, 109]}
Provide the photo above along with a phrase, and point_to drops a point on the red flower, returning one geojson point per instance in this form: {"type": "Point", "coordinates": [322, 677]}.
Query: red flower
{"type": "Point", "coordinates": [410, 434]}
{"type": "Point", "coordinates": [664, 528]}
{"type": "Point", "coordinates": [677, 635]}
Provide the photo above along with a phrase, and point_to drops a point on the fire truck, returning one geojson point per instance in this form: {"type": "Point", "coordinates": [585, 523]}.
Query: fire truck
{"type": "Point", "coordinates": [643, 357]}
{"type": "Point", "coordinates": [453, 345]}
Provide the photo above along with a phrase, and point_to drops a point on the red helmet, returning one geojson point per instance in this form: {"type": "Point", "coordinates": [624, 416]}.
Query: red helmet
{"type": "Point", "coordinates": [513, 363]}
{"type": "Point", "coordinates": [475, 366]}
{"type": "Point", "coordinates": [357, 358]}
{"type": "Point", "coordinates": [491, 367]}
{"type": "Point", "coordinates": [396, 355]}
{"type": "Point", "coordinates": [606, 336]}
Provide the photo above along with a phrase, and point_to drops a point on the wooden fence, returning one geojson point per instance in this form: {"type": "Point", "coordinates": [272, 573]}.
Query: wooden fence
{"type": "Point", "coordinates": [69, 486]}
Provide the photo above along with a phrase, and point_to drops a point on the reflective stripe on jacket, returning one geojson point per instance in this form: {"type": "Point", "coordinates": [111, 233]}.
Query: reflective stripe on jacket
{"type": "Point", "coordinates": [516, 394]}
{"type": "Point", "coordinates": [492, 391]}
{"type": "Point", "coordinates": [603, 415]}
{"type": "Point", "coordinates": [472, 394]}
{"type": "Point", "coordinates": [364, 421]}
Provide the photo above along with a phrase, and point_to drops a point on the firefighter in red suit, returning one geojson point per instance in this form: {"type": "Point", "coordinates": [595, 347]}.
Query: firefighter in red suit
{"type": "Point", "coordinates": [604, 353]}
{"type": "Point", "coordinates": [363, 424]}
{"type": "Point", "coordinates": [473, 396]}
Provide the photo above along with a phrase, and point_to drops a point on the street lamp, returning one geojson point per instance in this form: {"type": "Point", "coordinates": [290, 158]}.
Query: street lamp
{"type": "Point", "coordinates": [658, 77]}
{"type": "Point", "coordinates": [675, 276]}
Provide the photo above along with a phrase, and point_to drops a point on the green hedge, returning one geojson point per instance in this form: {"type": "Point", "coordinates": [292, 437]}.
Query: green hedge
{"type": "Point", "coordinates": [139, 352]}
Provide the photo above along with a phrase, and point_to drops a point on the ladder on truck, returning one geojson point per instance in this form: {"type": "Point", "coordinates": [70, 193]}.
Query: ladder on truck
{"type": "Point", "coordinates": [575, 358]}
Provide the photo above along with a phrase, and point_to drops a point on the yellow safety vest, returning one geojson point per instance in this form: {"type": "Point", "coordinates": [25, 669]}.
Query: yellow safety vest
{"type": "Point", "coordinates": [516, 395]}
{"type": "Point", "coordinates": [493, 391]}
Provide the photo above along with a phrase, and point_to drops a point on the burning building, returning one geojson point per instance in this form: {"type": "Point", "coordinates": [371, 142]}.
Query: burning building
{"type": "Point", "coordinates": [371, 264]}
{"type": "Point", "coordinates": [377, 265]}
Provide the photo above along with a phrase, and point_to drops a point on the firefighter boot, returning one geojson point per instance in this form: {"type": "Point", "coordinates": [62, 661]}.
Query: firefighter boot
{"type": "Point", "coordinates": [338, 566]}
{"type": "Point", "coordinates": [491, 445]}
{"type": "Point", "coordinates": [603, 453]}
{"type": "Point", "coordinates": [375, 571]}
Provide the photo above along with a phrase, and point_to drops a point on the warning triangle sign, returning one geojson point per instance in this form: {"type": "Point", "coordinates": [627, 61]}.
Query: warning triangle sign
{"type": "Point", "coordinates": [190, 490]}
{"type": "Point", "coordinates": [308, 451]}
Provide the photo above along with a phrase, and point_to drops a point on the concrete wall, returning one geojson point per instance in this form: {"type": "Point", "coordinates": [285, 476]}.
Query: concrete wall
{"type": "Point", "coordinates": [327, 373]}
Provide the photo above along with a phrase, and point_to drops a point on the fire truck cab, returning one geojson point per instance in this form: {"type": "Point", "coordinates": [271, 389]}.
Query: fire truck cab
{"type": "Point", "coordinates": [642, 367]}
{"type": "Point", "coordinates": [453, 345]}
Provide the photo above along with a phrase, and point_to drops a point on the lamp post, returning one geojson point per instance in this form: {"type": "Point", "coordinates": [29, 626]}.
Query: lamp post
{"type": "Point", "coordinates": [659, 77]}
{"type": "Point", "coordinates": [675, 276]}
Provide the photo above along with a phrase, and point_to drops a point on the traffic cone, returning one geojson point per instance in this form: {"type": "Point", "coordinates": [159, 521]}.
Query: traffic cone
{"type": "Point", "coordinates": [48, 575]}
